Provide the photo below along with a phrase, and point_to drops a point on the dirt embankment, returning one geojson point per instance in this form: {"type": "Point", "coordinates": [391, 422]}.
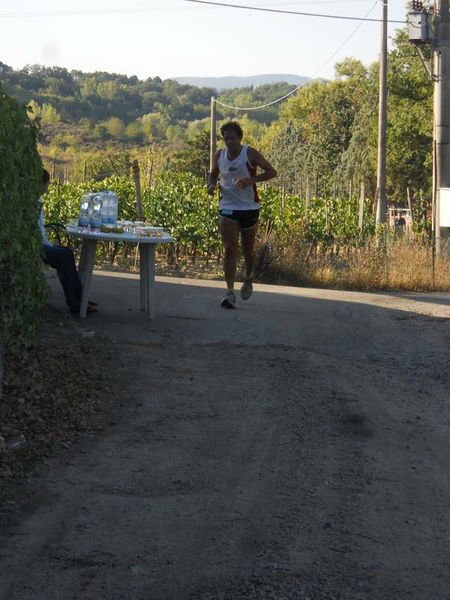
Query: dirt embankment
{"type": "Point", "coordinates": [53, 393]}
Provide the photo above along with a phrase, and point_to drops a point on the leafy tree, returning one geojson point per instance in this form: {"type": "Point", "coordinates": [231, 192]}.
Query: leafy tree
{"type": "Point", "coordinates": [108, 89]}
{"type": "Point", "coordinates": [320, 117]}
{"type": "Point", "coordinates": [88, 87]}
{"type": "Point", "coordinates": [328, 130]}
{"type": "Point", "coordinates": [100, 131]}
{"type": "Point", "coordinates": [34, 110]}
{"type": "Point", "coordinates": [49, 115]}
{"type": "Point", "coordinates": [195, 157]}
{"type": "Point", "coordinates": [134, 131]}
{"type": "Point", "coordinates": [154, 125]}
{"type": "Point", "coordinates": [175, 133]}
{"type": "Point", "coordinates": [410, 118]}
{"type": "Point", "coordinates": [196, 127]}
{"type": "Point", "coordinates": [115, 127]}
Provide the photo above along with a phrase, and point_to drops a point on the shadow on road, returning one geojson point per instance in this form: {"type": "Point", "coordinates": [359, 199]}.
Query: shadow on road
{"type": "Point", "coordinates": [294, 448]}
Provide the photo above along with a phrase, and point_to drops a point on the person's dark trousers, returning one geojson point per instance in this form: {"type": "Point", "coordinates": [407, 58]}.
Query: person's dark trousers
{"type": "Point", "coordinates": [61, 258]}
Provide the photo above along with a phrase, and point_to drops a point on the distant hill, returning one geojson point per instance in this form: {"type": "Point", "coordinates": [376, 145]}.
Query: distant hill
{"type": "Point", "coordinates": [225, 83]}
{"type": "Point", "coordinates": [102, 107]}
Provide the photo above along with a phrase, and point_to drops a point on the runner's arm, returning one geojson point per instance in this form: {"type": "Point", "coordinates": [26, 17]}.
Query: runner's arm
{"type": "Point", "coordinates": [214, 174]}
{"type": "Point", "coordinates": [256, 159]}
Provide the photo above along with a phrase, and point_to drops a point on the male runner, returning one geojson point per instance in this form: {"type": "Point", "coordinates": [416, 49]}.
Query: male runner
{"type": "Point", "coordinates": [237, 166]}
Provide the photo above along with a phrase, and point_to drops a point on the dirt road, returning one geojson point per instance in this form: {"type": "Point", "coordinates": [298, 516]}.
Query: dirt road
{"type": "Point", "coordinates": [296, 448]}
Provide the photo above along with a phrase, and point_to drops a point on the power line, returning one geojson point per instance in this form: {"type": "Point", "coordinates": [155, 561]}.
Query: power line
{"type": "Point", "coordinates": [91, 12]}
{"type": "Point", "coordinates": [347, 39]}
{"type": "Point", "coordinates": [140, 10]}
{"type": "Point", "coordinates": [302, 2]}
{"type": "Point", "coordinates": [290, 12]}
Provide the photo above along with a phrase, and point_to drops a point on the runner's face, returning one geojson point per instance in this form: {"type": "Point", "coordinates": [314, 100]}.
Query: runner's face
{"type": "Point", "coordinates": [232, 140]}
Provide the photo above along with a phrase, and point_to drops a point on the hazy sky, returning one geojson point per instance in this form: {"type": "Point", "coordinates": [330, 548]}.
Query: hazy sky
{"type": "Point", "coordinates": [175, 38]}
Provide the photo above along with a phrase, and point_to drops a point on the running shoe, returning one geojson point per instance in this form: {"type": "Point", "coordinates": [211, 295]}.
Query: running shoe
{"type": "Point", "coordinates": [247, 288]}
{"type": "Point", "coordinates": [229, 301]}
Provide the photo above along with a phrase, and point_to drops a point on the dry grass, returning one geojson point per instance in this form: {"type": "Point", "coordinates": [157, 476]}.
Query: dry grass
{"type": "Point", "coordinates": [404, 264]}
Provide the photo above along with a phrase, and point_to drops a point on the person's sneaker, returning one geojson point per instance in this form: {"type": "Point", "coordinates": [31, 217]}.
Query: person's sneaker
{"type": "Point", "coordinates": [229, 301]}
{"type": "Point", "coordinates": [247, 288]}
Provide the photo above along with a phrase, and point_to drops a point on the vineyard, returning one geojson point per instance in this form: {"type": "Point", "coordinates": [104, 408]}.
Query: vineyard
{"type": "Point", "coordinates": [180, 204]}
{"type": "Point", "coordinates": [318, 242]}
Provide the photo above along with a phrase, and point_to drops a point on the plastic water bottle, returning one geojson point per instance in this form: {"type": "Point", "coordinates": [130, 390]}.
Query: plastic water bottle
{"type": "Point", "coordinates": [83, 219]}
{"type": "Point", "coordinates": [95, 220]}
{"type": "Point", "coordinates": [105, 207]}
{"type": "Point", "coordinates": [109, 207]}
{"type": "Point", "coordinates": [113, 208]}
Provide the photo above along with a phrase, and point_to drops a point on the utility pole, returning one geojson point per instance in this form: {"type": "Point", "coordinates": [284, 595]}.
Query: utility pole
{"type": "Point", "coordinates": [212, 143]}
{"type": "Point", "coordinates": [441, 51]}
{"type": "Point", "coordinates": [382, 121]}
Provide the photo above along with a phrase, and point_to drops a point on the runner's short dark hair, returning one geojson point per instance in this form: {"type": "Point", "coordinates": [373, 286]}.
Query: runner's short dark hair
{"type": "Point", "coordinates": [232, 126]}
{"type": "Point", "coordinates": [45, 176]}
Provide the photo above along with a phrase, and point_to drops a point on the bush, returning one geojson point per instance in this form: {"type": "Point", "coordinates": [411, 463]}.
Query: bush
{"type": "Point", "coordinates": [22, 286]}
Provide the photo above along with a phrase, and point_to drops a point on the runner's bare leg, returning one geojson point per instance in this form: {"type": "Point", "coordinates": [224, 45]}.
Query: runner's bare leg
{"type": "Point", "coordinates": [230, 238]}
{"type": "Point", "coordinates": [248, 240]}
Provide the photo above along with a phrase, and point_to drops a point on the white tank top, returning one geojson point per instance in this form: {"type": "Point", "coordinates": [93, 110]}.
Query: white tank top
{"type": "Point", "coordinates": [231, 196]}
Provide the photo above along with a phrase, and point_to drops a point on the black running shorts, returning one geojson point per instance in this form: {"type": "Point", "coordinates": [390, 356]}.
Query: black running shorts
{"type": "Point", "coordinates": [246, 218]}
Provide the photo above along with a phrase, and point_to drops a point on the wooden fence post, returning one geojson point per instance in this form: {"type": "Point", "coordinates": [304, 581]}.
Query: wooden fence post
{"type": "Point", "coordinates": [409, 197]}
{"type": "Point", "coordinates": [137, 184]}
{"type": "Point", "coordinates": [282, 193]}
{"type": "Point", "coordinates": [362, 201]}
{"type": "Point", "coordinates": [150, 164]}
{"type": "Point", "coordinates": [308, 190]}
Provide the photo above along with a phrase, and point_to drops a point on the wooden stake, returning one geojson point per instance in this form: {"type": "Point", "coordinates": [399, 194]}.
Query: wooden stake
{"type": "Point", "coordinates": [409, 198]}
{"type": "Point", "coordinates": [362, 201]}
{"type": "Point", "coordinates": [137, 183]}
{"type": "Point", "coordinates": [308, 190]}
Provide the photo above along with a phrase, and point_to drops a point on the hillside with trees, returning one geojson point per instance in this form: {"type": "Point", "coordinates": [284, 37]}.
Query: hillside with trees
{"type": "Point", "coordinates": [322, 140]}
{"type": "Point", "coordinates": [124, 107]}
{"type": "Point", "coordinates": [97, 119]}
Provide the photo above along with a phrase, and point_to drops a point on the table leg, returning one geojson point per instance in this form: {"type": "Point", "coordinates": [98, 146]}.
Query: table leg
{"type": "Point", "coordinates": [82, 263]}
{"type": "Point", "coordinates": [89, 248]}
{"type": "Point", "coordinates": [143, 260]}
{"type": "Point", "coordinates": [151, 292]}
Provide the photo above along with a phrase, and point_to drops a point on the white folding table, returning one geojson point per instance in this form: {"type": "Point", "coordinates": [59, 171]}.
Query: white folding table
{"type": "Point", "coordinates": [147, 262]}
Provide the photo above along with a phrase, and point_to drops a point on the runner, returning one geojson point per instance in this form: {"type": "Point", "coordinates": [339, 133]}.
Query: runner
{"type": "Point", "coordinates": [237, 166]}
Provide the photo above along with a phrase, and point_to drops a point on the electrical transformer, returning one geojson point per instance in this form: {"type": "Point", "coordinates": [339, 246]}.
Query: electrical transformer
{"type": "Point", "coordinates": [419, 29]}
